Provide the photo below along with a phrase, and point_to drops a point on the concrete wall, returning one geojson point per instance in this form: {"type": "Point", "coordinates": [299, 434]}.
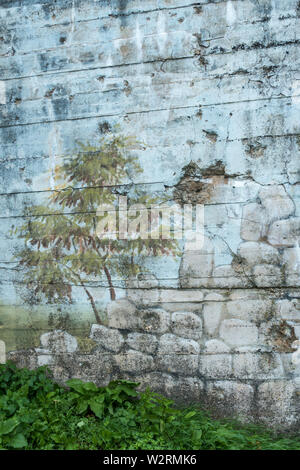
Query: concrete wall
{"type": "Point", "coordinates": [211, 89]}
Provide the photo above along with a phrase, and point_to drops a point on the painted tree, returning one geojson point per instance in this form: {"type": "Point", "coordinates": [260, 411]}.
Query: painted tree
{"type": "Point", "coordinates": [62, 248]}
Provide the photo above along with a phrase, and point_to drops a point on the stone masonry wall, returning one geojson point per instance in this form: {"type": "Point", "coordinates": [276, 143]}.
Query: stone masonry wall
{"type": "Point", "coordinates": [212, 90]}
{"type": "Point", "coordinates": [231, 352]}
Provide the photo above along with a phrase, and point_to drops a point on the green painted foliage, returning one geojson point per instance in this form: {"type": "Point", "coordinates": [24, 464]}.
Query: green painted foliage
{"type": "Point", "coordinates": [62, 248]}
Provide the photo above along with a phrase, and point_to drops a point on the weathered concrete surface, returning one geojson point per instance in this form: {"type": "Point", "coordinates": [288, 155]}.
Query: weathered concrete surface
{"type": "Point", "coordinates": [212, 90]}
{"type": "Point", "coordinates": [241, 368]}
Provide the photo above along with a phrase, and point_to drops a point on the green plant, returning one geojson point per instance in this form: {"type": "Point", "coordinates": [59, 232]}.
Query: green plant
{"type": "Point", "coordinates": [36, 413]}
{"type": "Point", "coordinates": [100, 400]}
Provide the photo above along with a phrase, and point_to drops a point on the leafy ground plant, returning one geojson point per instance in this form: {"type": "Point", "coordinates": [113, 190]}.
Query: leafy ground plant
{"type": "Point", "coordinates": [37, 413]}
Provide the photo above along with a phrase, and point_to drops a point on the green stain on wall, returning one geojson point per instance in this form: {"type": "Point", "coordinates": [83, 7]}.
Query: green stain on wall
{"type": "Point", "coordinates": [22, 326]}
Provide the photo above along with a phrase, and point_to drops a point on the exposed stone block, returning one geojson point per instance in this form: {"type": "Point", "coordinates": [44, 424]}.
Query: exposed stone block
{"type": "Point", "coordinates": [187, 325]}
{"type": "Point", "coordinates": [107, 338]}
{"type": "Point", "coordinates": [257, 366]}
{"type": "Point", "coordinates": [45, 360]}
{"type": "Point", "coordinates": [277, 202]}
{"type": "Point", "coordinates": [215, 346]}
{"type": "Point", "coordinates": [226, 276]}
{"type": "Point", "coordinates": [171, 344]}
{"type": "Point", "coordinates": [146, 343]}
{"type": "Point", "coordinates": [254, 222]}
{"type": "Point", "coordinates": [134, 362]}
{"type": "Point", "coordinates": [153, 320]}
{"type": "Point", "coordinates": [266, 275]}
{"type": "Point", "coordinates": [143, 296]}
{"type": "Point", "coordinates": [288, 309]}
{"type": "Point", "coordinates": [213, 297]}
{"type": "Point", "coordinates": [232, 398]}
{"type": "Point", "coordinates": [284, 233]}
{"type": "Point", "coordinates": [258, 253]}
{"type": "Point", "coordinates": [185, 389]}
{"type": "Point", "coordinates": [276, 403]}
{"type": "Point", "coordinates": [122, 314]}
{"type": "Point", "coordinates": [197, 266]}
{"type": "Point", "coordinates": [291, 362]}
{"type": "Point", "coordinates": [237, 332]}
{"type": "Point", "coordinates": [185, 364]}
{"type": "Point", "coordinates": [180, 295]}
{"type": "Point", "coordinates": [215, 366]}
{"type": "Point", "coordinates": [250, 309]}
{"type": "Point", "coordinates": [23, 358]}
{"type": "Point", "coordinates": [212, 314]}
{"type": "Point", "coordinates": [291, 265]}
{"type": "Point", "coordinates": [59, 341]}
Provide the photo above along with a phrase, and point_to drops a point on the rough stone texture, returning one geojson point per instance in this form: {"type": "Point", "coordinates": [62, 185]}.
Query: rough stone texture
{"type": "Point", "coordinates": [215, 366]}
{"type": "Point", "coordinates": [212, 314]}
{"type": "Point", "coordinates": [254, 222]}
{"type": "Point", "coordinates": [171, 344]}
{"type": "Point", "coordinates": [178, 364]}
{"type": "Point", "coordinates": [134, 362]}
{"type": "Point", "coordinates": [257, 366]}
{"type": "Point", "coordinates": [238, 332]}
{"type": "Point", "coordinates": [211, 89]}
{"type": "Point", "coordinates": [249, 309]}
{"type": "Point", "coordinates": [215, 346]}
{"type": "Point", "coordinates": [284, 232]}
{"type": "Point", "coordinates": [196, 267]}
{"type": "Point", "coordinates": [258, 253]}
{"type": "Point", "coordinates": [267, 276]}
{"type": "Point", "coordinates": [142, 342]}
{"type": "Point", "coordinates": [288, 309]}
{"type": "Point", "coordinates": [276, 201]}
{"type": "Point", "coordinates": [107, 338]}
{"type": "Point", "coordinates": [231, 398]}
{"type": "Point", "coordinates": [187, 325]}
{"type": "Point", "coordinates": [278, 402]}
{"type": "Point", "coordinates": [122, 314]}
{"type": "Point", "coordinates": [153, 320]}
{"type": "Point", "coordinates": [222, 372]}
{"type": "Point", "coordinates": [59, 342]}
{"type": "Point", "coordinates": [173, 386]}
